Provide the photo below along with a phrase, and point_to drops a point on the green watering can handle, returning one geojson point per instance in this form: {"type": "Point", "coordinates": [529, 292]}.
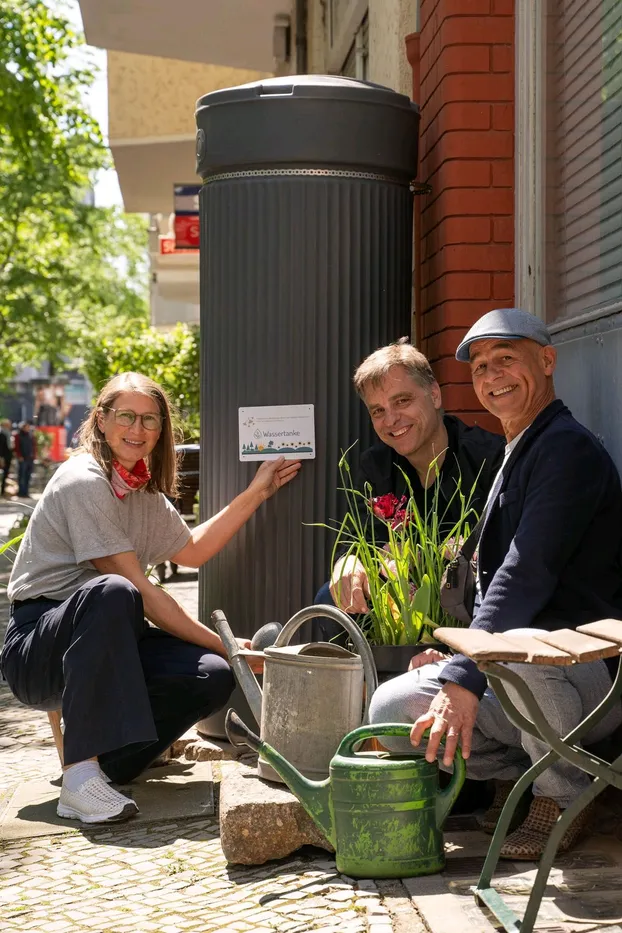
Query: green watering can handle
{"type": "Point", "coordinates": [445, 798]}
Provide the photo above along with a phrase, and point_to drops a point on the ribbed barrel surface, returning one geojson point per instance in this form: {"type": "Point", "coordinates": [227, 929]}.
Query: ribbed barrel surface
{"type": "Point", "coordinates": [304, 271]}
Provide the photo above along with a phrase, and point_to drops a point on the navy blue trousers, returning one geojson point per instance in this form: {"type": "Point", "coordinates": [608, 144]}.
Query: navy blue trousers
{"type": "Point", "coordinates": [127, 690]}
{"type": "Point", "coordinates": [24, 472]}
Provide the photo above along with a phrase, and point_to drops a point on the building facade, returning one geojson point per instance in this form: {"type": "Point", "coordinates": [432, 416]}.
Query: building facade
{"type": "Point", "coordinates": [158, 66]}
{"type": "Point", "coordinates": [521, 145]}
{"type": "Point", "coordinates": [521, 141]}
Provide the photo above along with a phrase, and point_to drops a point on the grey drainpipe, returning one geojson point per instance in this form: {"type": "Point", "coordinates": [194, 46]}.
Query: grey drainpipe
{"type": "Point", "coordinates": [301, 37]}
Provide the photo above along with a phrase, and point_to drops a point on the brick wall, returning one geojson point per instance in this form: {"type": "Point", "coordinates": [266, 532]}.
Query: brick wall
{"type": "Point", "coordinates": [463, 80]}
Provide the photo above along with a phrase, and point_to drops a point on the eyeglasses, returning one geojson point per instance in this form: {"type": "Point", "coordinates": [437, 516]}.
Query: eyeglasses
{"type": "Point", "coordinates": [126, 418]}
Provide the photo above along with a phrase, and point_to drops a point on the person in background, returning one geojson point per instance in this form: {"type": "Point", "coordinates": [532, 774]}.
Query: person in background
{"type": "Point", "coordinates": [26, 452]}
{"type": "Point", "coordinates": [6, 452]}
{"type": "Point", "coordinates": [78, 637]}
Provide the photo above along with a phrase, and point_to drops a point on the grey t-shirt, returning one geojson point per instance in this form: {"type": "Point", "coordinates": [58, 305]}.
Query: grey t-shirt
{"type": "Point", "coordinates": [79, 518]}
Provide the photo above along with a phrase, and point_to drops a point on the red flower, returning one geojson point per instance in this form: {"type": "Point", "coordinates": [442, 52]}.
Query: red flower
{"type": "Point", "coordinates": [385, 506]}
{"type": "Point", "coordinates": [399, 519]}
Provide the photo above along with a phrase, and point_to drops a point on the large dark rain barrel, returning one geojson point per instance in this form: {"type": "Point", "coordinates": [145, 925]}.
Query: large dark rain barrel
{"type": "Point", "coordinates": [306, 267]}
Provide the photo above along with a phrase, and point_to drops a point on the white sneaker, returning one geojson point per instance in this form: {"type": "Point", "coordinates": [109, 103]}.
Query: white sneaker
{"type": "Point", "coordinates": [95, 802]}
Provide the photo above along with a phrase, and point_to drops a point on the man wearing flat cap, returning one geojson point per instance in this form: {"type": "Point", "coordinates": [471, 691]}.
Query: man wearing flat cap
{"type": "Point", "coordinates": [548, 558]}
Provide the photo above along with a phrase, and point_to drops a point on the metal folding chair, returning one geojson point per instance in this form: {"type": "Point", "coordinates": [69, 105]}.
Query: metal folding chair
{"type": "Point", "coordinates": [595, 641]}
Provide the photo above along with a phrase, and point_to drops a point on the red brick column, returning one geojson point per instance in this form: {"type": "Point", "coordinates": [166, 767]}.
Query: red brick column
{"type": "Point", "coordinates": [463, 74]}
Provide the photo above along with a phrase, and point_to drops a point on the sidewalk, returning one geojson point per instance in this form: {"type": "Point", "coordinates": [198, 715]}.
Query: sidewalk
{"type": "Point", "coordinates": [169, 875]}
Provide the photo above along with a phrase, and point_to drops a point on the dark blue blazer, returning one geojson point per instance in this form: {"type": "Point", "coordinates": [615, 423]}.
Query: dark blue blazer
{"type": "Point", "coordinates": [550, 551]}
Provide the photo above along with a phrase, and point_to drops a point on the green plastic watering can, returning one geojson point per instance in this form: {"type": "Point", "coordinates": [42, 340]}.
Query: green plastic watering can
{"type": "Point", "coordinates": [383, 812]}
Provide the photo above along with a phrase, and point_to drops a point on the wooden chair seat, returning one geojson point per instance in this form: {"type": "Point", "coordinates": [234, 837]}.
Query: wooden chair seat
{"type": "Point", "coordinates": [592, 642]}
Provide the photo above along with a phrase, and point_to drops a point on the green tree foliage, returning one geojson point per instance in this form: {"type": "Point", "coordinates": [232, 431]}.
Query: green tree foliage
{"type": "Point", "coordinates": [64, 265]}
{"type": "Point", "coordinates": [171, 358]}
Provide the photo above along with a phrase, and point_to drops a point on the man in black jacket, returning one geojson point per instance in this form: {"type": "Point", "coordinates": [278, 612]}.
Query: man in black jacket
{"type": "Point", "coordinates": [549, 557]}
{"type": "Point", "coordinates": [417, 439]}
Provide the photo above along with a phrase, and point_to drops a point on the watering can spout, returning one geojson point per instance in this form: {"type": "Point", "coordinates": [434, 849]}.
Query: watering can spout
{"type": "Point", "coordinates": [313, 795]}
{"type": "Point", "coordinates": [241, 669]}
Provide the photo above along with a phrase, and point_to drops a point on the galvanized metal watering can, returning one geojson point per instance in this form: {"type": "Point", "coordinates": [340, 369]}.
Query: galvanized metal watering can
{"type": "Point", "coordinates": [383, 812]}
{"type": "Point", "coordinates": [313, 694]}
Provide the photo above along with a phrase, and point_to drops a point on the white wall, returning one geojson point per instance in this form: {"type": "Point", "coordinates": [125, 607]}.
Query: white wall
{"type": "Point", "coordinates": [390, 21]}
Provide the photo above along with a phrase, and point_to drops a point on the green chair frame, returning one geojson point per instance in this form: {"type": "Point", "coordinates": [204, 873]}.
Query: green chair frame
{"type": "Point", "coordinates": [603, 772]}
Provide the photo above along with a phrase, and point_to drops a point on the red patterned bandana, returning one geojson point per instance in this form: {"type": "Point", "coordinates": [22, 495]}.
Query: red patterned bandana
{"type": "Point", "coordinates": [124, 480]}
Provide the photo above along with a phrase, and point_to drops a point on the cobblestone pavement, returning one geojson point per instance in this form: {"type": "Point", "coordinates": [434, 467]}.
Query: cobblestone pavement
{"type": "Point", "coordinates": [161, 877]}
{"type": "Point", "coordinates": [171, 876]}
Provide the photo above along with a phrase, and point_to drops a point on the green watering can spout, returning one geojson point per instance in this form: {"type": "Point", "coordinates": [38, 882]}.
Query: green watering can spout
{"type": "Point", "coordinates": [313, 795]}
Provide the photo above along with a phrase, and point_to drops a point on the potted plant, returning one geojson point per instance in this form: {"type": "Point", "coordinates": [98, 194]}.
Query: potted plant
{"type": "Point", "coordinates": [404, 551]}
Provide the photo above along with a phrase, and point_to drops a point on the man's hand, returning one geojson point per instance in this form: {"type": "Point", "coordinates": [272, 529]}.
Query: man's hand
{"type": "Point", "coordinates": [429, 656]}
{"type": "Point", "coordinates": [452, 713]}
{"type": "Point", "coordinates": [255, 664]}
{"type": "Point", "coordinates": [349, 586]}
{"type": "Point", "coordinates": [272, 474]}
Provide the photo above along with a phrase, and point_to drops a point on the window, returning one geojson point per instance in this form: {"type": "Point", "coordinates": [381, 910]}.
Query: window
{"type": "Point", "coordinates": [583, 152]}
{"type": "Point", "coordinates": [355, 65]}
{"type": "Point", "coordinates": [347, 37]}
{"type": "Point", "coordinates": [569, 200]}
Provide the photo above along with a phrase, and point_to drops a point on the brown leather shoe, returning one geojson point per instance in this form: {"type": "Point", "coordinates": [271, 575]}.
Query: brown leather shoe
{"type": "Point", "coordinates": [528, 841]}
{"type": "Point", "coordinates": [488, 821]}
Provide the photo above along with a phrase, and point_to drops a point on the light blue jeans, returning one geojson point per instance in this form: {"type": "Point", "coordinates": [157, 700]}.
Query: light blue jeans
{"type": "Point", "coordinates": [499, 750]}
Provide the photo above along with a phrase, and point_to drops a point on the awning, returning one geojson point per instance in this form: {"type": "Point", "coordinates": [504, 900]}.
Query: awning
{"type": "Point", "coordinates": [219, 32]}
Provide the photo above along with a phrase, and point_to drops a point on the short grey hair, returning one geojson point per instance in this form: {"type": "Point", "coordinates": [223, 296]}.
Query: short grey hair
{"type": "Point", "coordinates": [377, 365]}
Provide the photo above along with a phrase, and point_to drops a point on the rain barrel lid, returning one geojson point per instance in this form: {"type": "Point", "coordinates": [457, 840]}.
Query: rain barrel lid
{"type": "Point", "coordinates": [307, 121]}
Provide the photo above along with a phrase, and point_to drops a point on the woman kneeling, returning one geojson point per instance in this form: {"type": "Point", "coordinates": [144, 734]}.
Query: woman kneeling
{"type": "Point", "coordinates": [78, 635]}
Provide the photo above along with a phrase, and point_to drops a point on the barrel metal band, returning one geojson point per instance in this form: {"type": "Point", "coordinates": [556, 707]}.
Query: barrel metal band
{"type": "Point", "coordinates": [319, 172]}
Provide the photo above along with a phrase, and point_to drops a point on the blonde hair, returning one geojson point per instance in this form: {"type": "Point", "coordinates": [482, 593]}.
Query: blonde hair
{"type": "Point", "coordinates": [162, 459]}
{"type": "Point", "coordinates": [376, 366]}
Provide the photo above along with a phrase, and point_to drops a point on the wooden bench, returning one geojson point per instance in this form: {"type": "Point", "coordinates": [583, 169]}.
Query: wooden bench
{"type": "Point", "coordinates": [592, 642]}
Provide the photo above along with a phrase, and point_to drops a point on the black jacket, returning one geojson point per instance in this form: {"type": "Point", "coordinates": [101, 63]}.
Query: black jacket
{"type": "Point", "coordinates": [6, 453]}
{"type": "Point", "coordinates": [550, 551]}
{"type": "Point", "coordinates": [473, 455]}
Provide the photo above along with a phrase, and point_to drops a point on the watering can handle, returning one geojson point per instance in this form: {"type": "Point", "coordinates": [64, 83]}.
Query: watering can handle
{"type": "Point", "coordinates": [401, 729]}
{"type": "Point", "coordinates": [446, 797]}
{"type": "Point", "coordinates": [360, 642]}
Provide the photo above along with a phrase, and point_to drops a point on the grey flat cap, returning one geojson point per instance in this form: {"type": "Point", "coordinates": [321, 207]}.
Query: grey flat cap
{"type": "Point", "coordinates": [506, 324]}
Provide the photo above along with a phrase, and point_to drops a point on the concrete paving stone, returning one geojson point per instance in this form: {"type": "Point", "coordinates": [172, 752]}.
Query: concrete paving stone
{"type": "Point", "coordinates": [366, 884]}
{"type": "Point", "coordinates": [294, 895]}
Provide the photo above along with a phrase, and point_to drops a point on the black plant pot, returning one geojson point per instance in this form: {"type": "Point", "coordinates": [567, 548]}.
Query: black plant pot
{"type": "Point", "coordinates": [392, 660]}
